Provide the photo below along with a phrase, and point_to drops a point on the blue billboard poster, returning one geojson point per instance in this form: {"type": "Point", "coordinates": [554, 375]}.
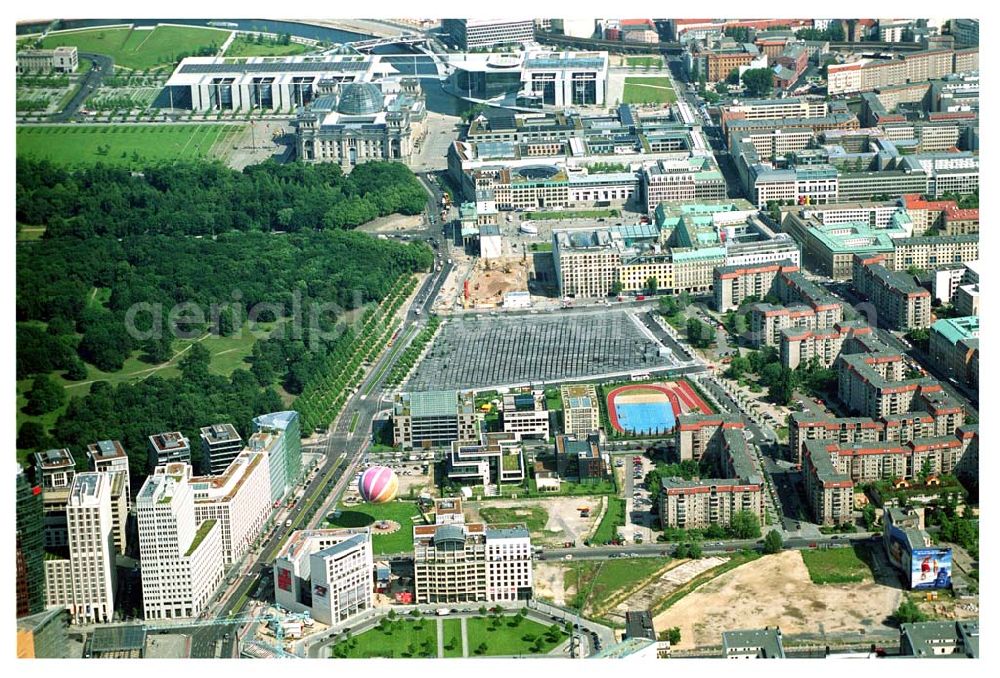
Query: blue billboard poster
{"type": "Point", "coordinates": [930, 568]}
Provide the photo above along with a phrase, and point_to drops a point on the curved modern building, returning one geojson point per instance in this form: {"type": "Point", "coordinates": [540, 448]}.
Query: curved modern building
{"type": "Point", "coordinates": [532, 79]}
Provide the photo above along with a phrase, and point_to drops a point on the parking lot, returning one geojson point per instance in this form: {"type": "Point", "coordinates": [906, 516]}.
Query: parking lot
{"type": "Point", "coordinates": [638, 503]}
{"type": "Point", "coordinates": [481, 351]}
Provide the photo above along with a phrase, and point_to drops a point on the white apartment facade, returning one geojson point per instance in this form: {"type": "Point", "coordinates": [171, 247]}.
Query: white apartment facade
{"type": "Point", "coordinates": [181, 556]}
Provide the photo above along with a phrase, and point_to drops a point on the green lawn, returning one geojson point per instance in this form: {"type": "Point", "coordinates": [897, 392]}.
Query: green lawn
{"type": "Point", "coordinates": [553, 399]}
{"type": "Point", "coordinates": [649, 91]}
{"type": "Point", "coordinates": [141, 49]}
{"type": "Point", "coordinates": [29, 233]}
{"type": "Point", "coordinates": [572, 214]}
{"type": "Point", "coordinates": [838, 566]}
{"type": "Point", "coordinates": [403, 512]}
{"type": "Point", "coordinates": [508, 638]}
{"type": "Point", "coordinates": [134, 146]}
{"type": "Point", "coordinates": [613, 518]}
{"type": "Point", "coordinates": [643, 61]}
{"type": "Point", "coordinates": [242, 47]}
{"type": "Point", "coordinates": [402, 638]}
{"type": "Point", "coordinates": [452, 629]}
{"type": "Point", "coordinates": [409, 638]}
{"type": "Point", "coordinates": [571, 489]}
{"type": "Point", "coordinates": [597, 583]}
{"type": "Point", "coordinates": [534, 517]}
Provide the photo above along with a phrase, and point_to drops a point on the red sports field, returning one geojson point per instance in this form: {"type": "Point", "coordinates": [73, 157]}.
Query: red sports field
{"type": "Point", "coordinates": [652, 408]}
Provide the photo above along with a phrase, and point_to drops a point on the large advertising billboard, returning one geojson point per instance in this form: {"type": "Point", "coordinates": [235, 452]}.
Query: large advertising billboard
{"type": "Point", "coordinates": [898, 548]}
{"type": "Point", "coordinates": [930, 568]}
{"type": "Point", "coordinates": [284, 579]}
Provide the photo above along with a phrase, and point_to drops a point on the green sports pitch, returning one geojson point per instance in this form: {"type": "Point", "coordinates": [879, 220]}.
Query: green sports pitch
{"type": "Point", "coordinates": [130, 145]}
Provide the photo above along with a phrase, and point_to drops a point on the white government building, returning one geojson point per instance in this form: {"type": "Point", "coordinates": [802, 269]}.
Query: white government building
{"type": "Point", "coordinates": [531, 79]}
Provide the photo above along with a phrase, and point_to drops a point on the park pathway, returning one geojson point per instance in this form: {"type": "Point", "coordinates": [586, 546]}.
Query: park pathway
{"type": "Point", "coordinates": [465, 638]}
{"type": "Point", "coordinates": [440, 634]}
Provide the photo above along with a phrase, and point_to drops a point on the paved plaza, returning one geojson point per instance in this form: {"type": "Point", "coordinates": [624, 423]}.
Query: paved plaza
{"type": "Point", "coordinates": [482, 351]}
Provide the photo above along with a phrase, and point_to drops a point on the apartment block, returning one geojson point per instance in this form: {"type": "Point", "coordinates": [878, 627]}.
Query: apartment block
{"type": "Point", "coordinates": [690, 504]}
{"type": "Point", "coordinates": [731, 285]}
{"type": "Point", "coordinates": [84, 579]}
{"type": "Point", "coordinates": [182, 559]}
{"type": "Point", "coordinates": [930, 253]}
{"type": "Point", "coordinates": [767, 322]}
{"type": "Point", "coordinates": [801, 346]}
{"type": "Point", "coordinates": [695, 434]}
{"type": "Point", "coordinates": [830, 493]}
{"type": "Point", "coordinates": [326, 573]}
{"type": "Point", "coordinates": [954, 348]}
{"type": "Point", "coordinates": [901, 304]}
{"type": "Point", "coordinates": [966, 299]}
{"type": "Point", "coordinates": [874, 385]}
{"type": "Point", "coordinates": [434, 419]}
{"type": "Point", "coordinates": [581, 413]}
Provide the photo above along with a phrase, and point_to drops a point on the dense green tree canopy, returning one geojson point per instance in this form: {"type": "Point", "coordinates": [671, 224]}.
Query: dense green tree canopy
{"type": "Point", "coordinates": [199, 233]}
{"type": "Point", "coordinates": [758, 82]}
{"type": "Point", "coordinates": [200, 198]}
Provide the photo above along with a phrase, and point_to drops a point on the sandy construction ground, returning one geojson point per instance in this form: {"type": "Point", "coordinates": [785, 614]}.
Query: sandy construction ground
{"type": "Point", "coordinates": [564, 522]}
{"type": "Point", "coordinates": [488, 285]}
{"type": "Point", "coordinates": [550, 582]}
{"type": "Point", "coordinates": [394, 222]}
{"type": "Point", "coordinates": [776, 590]}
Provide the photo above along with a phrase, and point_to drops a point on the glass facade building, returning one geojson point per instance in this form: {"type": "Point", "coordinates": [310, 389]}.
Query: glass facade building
{"type": "Point", "coordinates": [288, 423]}
{"type": "Point", "coordinates": [30, 554]}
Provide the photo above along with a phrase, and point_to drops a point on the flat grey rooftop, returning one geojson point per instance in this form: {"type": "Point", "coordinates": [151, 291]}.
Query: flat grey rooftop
{"type": "Point", "coordinates": [482, 351]}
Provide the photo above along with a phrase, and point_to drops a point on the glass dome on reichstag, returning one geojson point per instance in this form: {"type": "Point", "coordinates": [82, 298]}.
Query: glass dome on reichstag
{"type": "Point", "coordinates": [361, 98]}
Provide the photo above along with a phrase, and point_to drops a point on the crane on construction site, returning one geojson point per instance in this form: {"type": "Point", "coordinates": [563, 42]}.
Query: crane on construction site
{"type": "Point", "coordinates": [253, 647]}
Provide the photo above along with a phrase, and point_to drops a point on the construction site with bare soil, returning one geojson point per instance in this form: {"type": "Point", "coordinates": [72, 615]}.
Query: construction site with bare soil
{"type": "Point", "coordinates": [776, 590]}
{"type": "Point", "coordinates": [491, 279]}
